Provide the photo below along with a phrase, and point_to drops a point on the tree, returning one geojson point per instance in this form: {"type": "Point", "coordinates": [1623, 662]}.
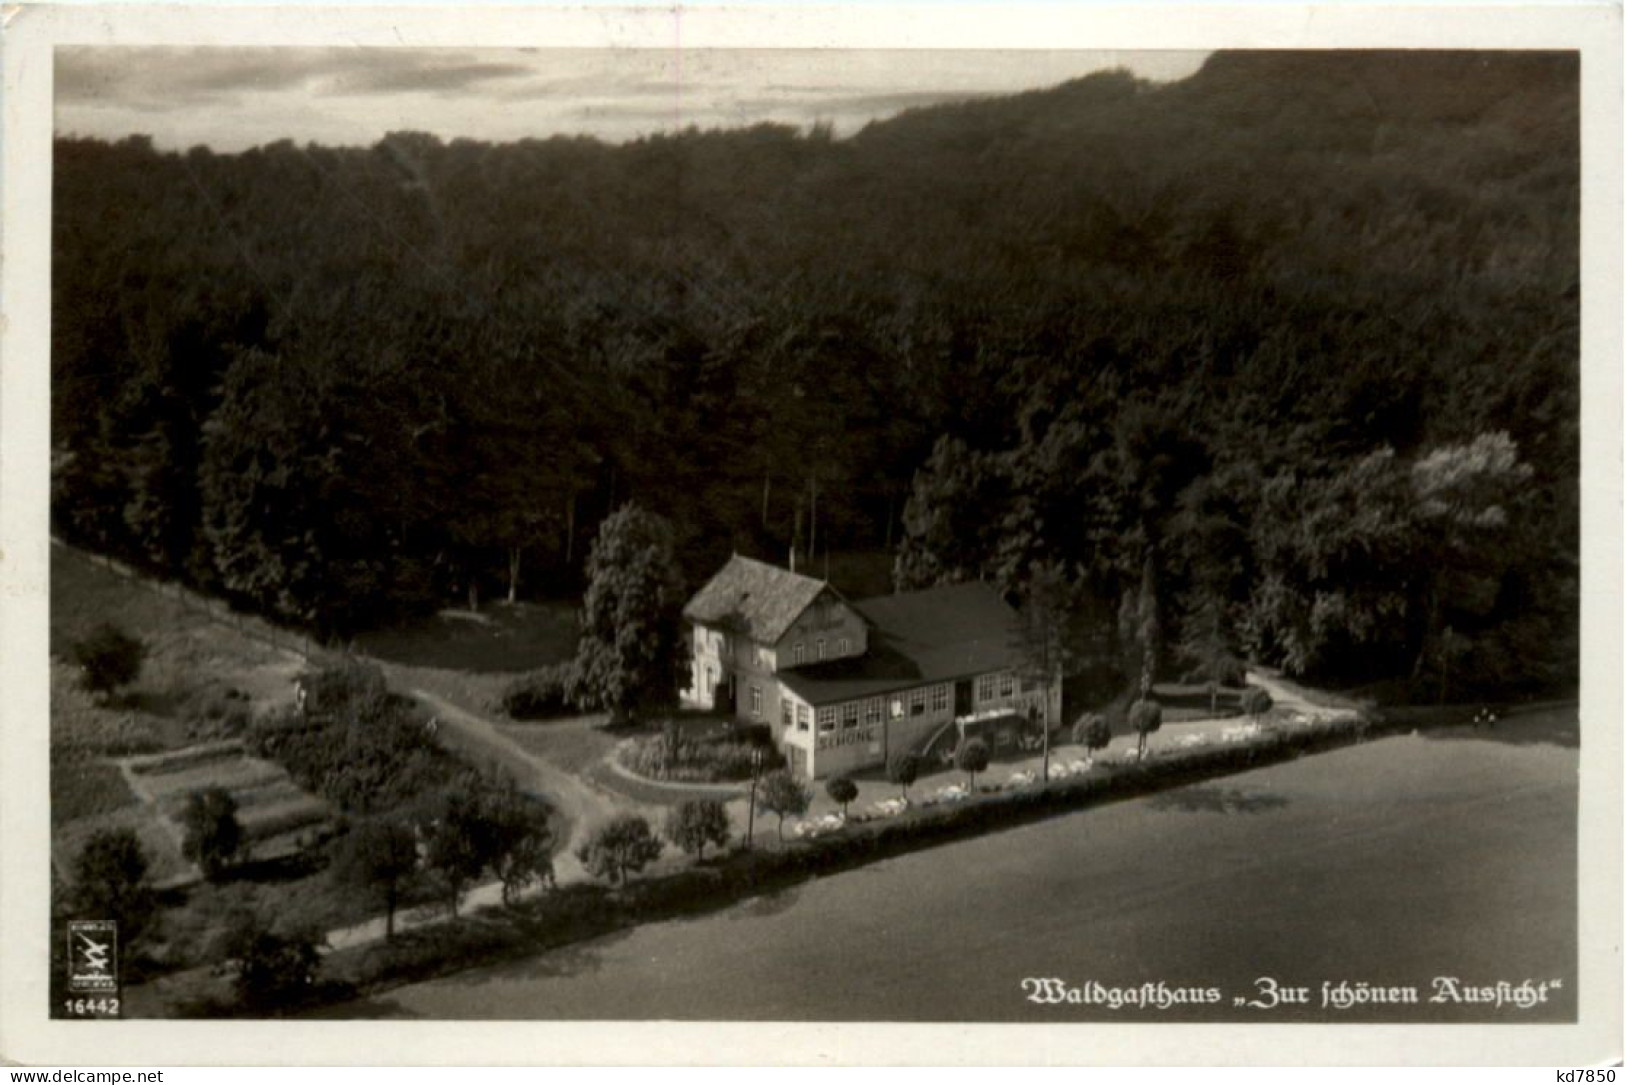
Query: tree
{"type": "Point", "coordinates": [695, 823]}
{"type": "Point", "coordinates": [954, 506]}
{"type": "Point", "coordinates": [109, 658]}
{"type": "Point", "coordinates": [782, 794]}
{"type": "Point", "coordinates": [1255, 702]}
{"type": "Point", "coordinates": [971, 758]}
{"type": "Point", "coordinates": [111, 880]}
{"type": "Point", "coordinates": [379, 858]}
{"type": "Point", "coordinates": [843, 790]}
{"type": "Point", "coordinates": [274, 968]}
{"type": "Point", "coordinates": [632, 651]}
{"type": "Point", "coordinates": [1092, 732]}
{"type": "Point", "coordinates": [214, 837]}
{"type": "Point", "coordinates": [1145, 717]}
{"type": "Point", "coordinates": [623, 845]}
{"type": "Point", "coordinates": [520, 850]}
{"type": "Point", "coordinates": [459, 842]}
{"type": "Point", "coordinates": [1465, 498]}
{"type": "Point", "coordinates": [903, 769]}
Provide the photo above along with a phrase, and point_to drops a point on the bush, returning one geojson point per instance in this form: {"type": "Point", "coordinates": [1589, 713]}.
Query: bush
{"type": "Point", "coordinates": [543, 694]}
{"type": "Point", "coordinates": [110, 658]}
{"type": "Point", "coordinates": [756, 734]}
{"type": "Point", "coordinates": [1145, 717]}
{"type": "Point", "coordinates": [1092, 732]}
{"type": "Point", "coordinates": [841, 789]}
{"type": "Point", "coordinates": [214, 837]}
{"type": "Point", "coordinates": [379, 858]}
{"type": "Point", "coordinates": [782, 794]}
{"type": "Point", "coordinates": [706, 761]}
{"type": "Point", "coordinates": [1255, 702]}
{"type": "Point", "coordinates": [274, 969]}
{"type": "Point", "coordinates": [362, 754]}
{"type": "Point", "coordinates": [110, 881]}
{"type": "Point", "coordinates": [624, 845]}
{"type": "Point", "coordinates": [696, 823]}
{"type": "Point", "coordinates": [903, 769]}
{"type": "Point", "coordinates": [350, 689]}
{"type": "Point", "coordinates": [972, 758]}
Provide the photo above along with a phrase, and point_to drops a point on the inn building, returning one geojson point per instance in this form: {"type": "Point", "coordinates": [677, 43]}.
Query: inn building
{"type": "Point", "coordinates": [845, 685]}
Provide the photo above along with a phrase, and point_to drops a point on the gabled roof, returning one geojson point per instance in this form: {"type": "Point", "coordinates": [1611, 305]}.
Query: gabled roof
{"type": "Point", "coordinates": [916, 638]}
{"type": "Point", "coordinates": [755, 598]}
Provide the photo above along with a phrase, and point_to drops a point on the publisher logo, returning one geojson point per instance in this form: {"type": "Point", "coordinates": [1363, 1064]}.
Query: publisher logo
{"type": "Point", "coordinates": [92, 955]}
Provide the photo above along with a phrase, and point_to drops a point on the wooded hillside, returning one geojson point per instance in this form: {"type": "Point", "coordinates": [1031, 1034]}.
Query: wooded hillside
{"type": "Point", "coordinates": [1280, 359]}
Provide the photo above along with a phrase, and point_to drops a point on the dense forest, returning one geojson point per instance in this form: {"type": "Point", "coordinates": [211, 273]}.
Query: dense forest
{"type": "Point", "coordinates": [1280, 361]}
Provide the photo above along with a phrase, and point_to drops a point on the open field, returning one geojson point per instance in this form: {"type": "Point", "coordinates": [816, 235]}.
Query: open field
{"type": "Point", "coordinates": [503, 638]}
{"type": "Point", "coordinates": [203, 680]}
{"type": "Point", "coordinates": [1392, 862]}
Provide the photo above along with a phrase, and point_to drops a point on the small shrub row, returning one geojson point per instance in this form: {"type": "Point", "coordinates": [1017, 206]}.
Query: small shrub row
{"type": "Point", "coordinates": [544, 694]}
{"type": "Point", "coordinates": [366, 750]}
{"type": "Point", "coordinates": [704, 761]}
{"type": "Point", "coordinates": [583, 911]}
{"type": "Point", "coordinates": [163, 764]}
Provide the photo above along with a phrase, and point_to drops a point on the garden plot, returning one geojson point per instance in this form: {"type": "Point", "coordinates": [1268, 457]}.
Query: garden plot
{"type": "Point", "coordinates": [276, 815]}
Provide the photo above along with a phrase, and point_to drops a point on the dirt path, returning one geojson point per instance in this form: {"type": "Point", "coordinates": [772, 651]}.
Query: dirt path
{"type": "Point", "coordinates": [482, 741]}
{"type": "Point", "coordinates": [1294, 701]}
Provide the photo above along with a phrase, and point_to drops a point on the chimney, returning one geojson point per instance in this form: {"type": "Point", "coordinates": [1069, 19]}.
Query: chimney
{"type": "Point", "coordinates": [792, 557]}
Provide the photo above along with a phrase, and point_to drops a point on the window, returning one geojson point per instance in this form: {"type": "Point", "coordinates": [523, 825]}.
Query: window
{"type": "Point", "coordinates": [820, 649]}
{"type": "Point", "coordinates": [939, 698]}
{"type": "Point", "coordinates": [826, 720]}
{"type": "Point", "coordinates": [801, 653]}
{"type": "Point", "coordinates": [1029, 684]}
{"type": "Point", "coordinates": [785, 713]}
{"type": "Point", "coordinates": [874, 710]}
{"type": "Point", "coordinates": [849, 715]}
{"type": "Point", "coordinates": [916, 703]}
{"type": "Point", "coordinates": [803, 717]}
{"type": "Point", "coordinates": [896, 708]}
{"type": "Point", "coordinates": [843, 646]}
{"type": "Point", "coordinates": [984, 688]}
{"type": "Point", "coordinates": [1007, 685]}
{"type": "Point", "coordinates": [756, 701]}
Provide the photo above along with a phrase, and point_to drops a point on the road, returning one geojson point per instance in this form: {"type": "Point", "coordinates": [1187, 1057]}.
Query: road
{"type": "Point", "coordinates": [1389, 863]}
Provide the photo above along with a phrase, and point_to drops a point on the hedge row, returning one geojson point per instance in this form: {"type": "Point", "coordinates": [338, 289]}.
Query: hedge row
{"type": "Point", "coordinates": [582, 911]}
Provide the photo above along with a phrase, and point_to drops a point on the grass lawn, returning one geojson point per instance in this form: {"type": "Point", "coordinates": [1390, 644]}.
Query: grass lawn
{"type": "Point", "coordinates": [83, 786]}
{"type": "Point", "coordinates": [199, 668]}
{"type": "Point", "coordinates": [573, 745]}
{"type": "Point", "coordinates": [503, 638]}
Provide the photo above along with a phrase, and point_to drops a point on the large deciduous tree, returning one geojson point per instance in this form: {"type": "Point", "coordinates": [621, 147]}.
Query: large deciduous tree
{"type": "Point", "coordinates": [624, 845]}
{"type": "Point", "coordinates": [112, 880]}
{"type": "Point", "coordinates": [380, 858]}
{"type": "Point", "coordinates": [631, 652]}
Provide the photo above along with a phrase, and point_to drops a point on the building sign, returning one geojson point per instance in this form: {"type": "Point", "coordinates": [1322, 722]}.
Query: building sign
{"type": "Point", "coordinates": [851, 737]}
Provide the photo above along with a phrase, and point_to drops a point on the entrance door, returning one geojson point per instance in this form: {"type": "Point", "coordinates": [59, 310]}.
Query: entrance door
{"type": "Point", "coordinates": [964, 702]}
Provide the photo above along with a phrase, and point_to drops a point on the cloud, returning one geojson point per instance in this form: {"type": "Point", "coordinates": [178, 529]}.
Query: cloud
{"type": "Point", "coordinates": [237, 97]}
{"type": "Point", "coordinates": [423, 78]}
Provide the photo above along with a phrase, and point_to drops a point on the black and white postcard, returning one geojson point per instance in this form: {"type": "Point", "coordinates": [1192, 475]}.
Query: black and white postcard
{"type": "Point", "coordinates": [918, 528]}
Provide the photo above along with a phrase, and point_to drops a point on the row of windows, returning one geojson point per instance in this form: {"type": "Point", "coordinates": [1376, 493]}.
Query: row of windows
{"type": "Point", "coordinates": [871, 711]}
{"type": "Point", "coordinates": [993, 687]}
{"type": "Point", "coordinates": [843, 646]}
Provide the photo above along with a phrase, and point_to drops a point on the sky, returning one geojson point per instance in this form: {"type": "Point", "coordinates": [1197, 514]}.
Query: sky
{"type": "Point", "coordinates": [234, 98]}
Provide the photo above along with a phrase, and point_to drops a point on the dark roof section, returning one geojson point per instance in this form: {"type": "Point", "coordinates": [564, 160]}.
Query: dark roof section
{"type": "Point", "coordinates": [754, 598]}
{"type": "Point", "coordinates": [925, 636]}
